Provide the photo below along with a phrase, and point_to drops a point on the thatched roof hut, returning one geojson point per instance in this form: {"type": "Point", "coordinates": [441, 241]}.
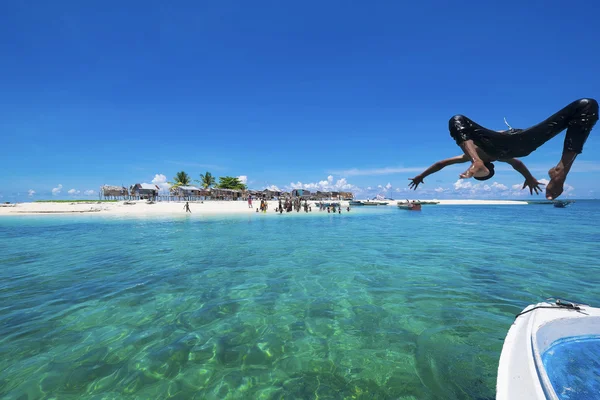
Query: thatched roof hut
{"type": "Point", "coordinates": [114, 191]}
{"type": "Point", "coordinates": [269, 194]}
{"type": "Point", "coordinates": [226, 194]}
{"type": "Point", "coordinates": [187, 191]}
{"type": "Point", "coordinates": [322, 195]}
{"type": "Point", "coordinates": [346, 195]}
{"type": "Point", "coordinates": [300, 193]}
{"type": "Point", "coordinates": [144, 190]}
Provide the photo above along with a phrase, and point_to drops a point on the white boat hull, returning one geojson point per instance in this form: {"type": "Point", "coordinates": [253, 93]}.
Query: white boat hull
{"type": "Point", "coordinates": [521, 371]}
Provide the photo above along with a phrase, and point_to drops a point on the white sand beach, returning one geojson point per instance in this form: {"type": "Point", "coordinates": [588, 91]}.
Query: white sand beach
{"type": "Point", "coordinates": [141, 208]}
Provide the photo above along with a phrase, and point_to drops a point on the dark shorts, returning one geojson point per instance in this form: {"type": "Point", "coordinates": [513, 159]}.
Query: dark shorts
{"type": "Point", "coordinates": [578, 118]}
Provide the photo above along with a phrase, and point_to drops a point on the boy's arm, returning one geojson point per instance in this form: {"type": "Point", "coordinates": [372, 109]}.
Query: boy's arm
{"type": "Point", "coordinates": [435, 168]}
{"type": "Point", "coordinates": [520, 167]}
{"type": "Point", "coordinates": [530, 181]}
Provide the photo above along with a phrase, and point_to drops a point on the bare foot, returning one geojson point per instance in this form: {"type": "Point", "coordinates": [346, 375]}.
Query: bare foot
{"type": "Point", "coordinates": [477, 169]}
{"type": "Point", "coordinates": [557, 180]}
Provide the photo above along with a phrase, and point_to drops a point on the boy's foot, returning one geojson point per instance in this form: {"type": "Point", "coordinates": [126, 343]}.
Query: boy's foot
{"type": "Point", "coordinates": [477, 169]}
{"type": "Point", "coordinates": [557, 181]}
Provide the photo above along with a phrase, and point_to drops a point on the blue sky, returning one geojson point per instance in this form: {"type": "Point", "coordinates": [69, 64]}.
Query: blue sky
{"type": "Point", "coordinates": [318, 94]}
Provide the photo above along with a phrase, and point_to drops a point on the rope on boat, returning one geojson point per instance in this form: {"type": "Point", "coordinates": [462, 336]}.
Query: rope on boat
{"type": "Point", "coordinates": [559, 304]}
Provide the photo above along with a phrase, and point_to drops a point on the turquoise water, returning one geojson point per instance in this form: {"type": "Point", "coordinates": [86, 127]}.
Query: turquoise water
{"type": "Point", "coordinates": [378, 303]}
{"type": "Point", "coordinates": [573, 366]}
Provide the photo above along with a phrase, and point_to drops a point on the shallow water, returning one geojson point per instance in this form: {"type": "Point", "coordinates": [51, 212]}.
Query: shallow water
{"type": "Point", "coordinates": [377, 303]}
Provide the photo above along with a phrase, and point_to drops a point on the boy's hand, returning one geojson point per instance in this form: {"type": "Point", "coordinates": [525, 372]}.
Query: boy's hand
{"type": "Point", "coordinates": [533, 184]}
{"type": "Point", "coordinates": [415, 182]}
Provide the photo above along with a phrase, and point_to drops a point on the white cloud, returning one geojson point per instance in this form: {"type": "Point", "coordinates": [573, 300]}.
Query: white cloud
{"type": "Point", "coordinates": [89, 192]}
{"type": "Point", "coordinates": [57, 189]}
{"type": "Point", "coordinates": [388, 186]}
{"type": "Point", "coordinates": [568, 188]}
{"type": "Point", "coordinates": [243, 179]}
{"type": "Point", "coordinates": [517, 186]}
{"type": "Point", "coordinates": [440, 190]}
{"type": "Point", "coordinates": [544, 181]}
{"type": "Point", "coordinates": [463, 184]}
{"type": "Point", "coordinates": [325, 185]}
{"type": "Point", "coordinates": [160, 180]}
{"type": "Point", "coordinates": [73, 191]}
{"type": "Point", "coordinates": [468, 188]}
{"type": "Point", "coordinates": [31, 192]}
{"type": "Point", "coordinates": [273, 188]}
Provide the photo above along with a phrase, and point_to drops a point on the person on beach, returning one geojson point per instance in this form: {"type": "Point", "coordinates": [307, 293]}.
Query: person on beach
{"type": "Point", "coordinates": [249, 201]}
{"type": "Point", "coordinates": [481, 146]}
{"type": "Point", "coordinates": [186, 207]}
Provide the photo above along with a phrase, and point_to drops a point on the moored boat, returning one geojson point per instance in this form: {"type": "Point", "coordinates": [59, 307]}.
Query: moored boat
{"type": "Point", "coordinates": [551, 352]}
{"type": "Point", "coordinates": [411, 206]}
{"type": "Point", "coordinates": [561, 204]}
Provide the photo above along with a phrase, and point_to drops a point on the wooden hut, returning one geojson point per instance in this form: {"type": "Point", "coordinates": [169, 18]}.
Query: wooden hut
{"type": "Point", "coordinates": [226, 194]}
{"type": "Point", "coordinates": [187, 192]}
{"type": "Point", "coordinates": [346, 196]}
{"type": "Point", "coordinates": [302, 193]}
{"type": "Point", "coordinates": [270, 194]}
{"type": "Point", "coordinates": [114, 192]}
{"type": "Point", "coordinates": [144, 191]}
{"type": "Point", "coordinates": [323, 195]}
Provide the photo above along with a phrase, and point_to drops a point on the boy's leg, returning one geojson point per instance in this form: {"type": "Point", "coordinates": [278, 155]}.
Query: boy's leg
{"type": "Point", "coordinates": [580, 117]}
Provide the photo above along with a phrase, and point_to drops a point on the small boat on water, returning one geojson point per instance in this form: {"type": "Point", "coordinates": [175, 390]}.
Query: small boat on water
{"type": "Point", "coordinates": [551, 352]}
{"type": "Point", "coordinates": [366, 203]}
{"type": "Point", "coordinates": [561, 204]}
{"type": "Point", "coordinates": [409, 206]}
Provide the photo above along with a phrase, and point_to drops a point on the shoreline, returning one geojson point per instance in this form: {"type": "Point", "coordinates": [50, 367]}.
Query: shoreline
{"type": "Point", "coordinates": [209, 207]}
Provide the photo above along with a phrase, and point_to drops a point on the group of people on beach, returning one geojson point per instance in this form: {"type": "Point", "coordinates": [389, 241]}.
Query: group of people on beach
{"type": "Point", "coordinates": [288, 205]}
{"type": "Point", "coordinates": [296, 204]}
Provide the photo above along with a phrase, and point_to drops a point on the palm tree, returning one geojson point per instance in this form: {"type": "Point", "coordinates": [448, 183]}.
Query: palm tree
{"type": "Point", "coordinates": [230, 182]}
{"type": "Point", "coordinates": [207, 180]}
{"type": "Point", "coordinates": [180, 179]}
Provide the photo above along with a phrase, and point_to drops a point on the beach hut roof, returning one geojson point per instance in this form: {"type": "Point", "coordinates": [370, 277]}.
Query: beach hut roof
{"type": "Point", "coordinates": [188, 187]}
{"type": "Point", "coordinates": [109, 187]}
{"type": "Point", "coordinates": [147, 186]}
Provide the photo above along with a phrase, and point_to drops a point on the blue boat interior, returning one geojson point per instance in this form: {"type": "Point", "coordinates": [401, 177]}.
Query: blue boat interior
{"type": "Point", "coordinates": [573, 366]}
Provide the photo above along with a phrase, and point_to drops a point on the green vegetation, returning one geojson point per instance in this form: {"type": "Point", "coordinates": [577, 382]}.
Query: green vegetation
{"type": "Point", "coordinates": [230, 182]}
{"type": "Point", "coordinates": [207, 180]}
{"type": "Point", "coordinates": [180, 179]}
{"type": "Point", "coordinates": [76, 201]}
